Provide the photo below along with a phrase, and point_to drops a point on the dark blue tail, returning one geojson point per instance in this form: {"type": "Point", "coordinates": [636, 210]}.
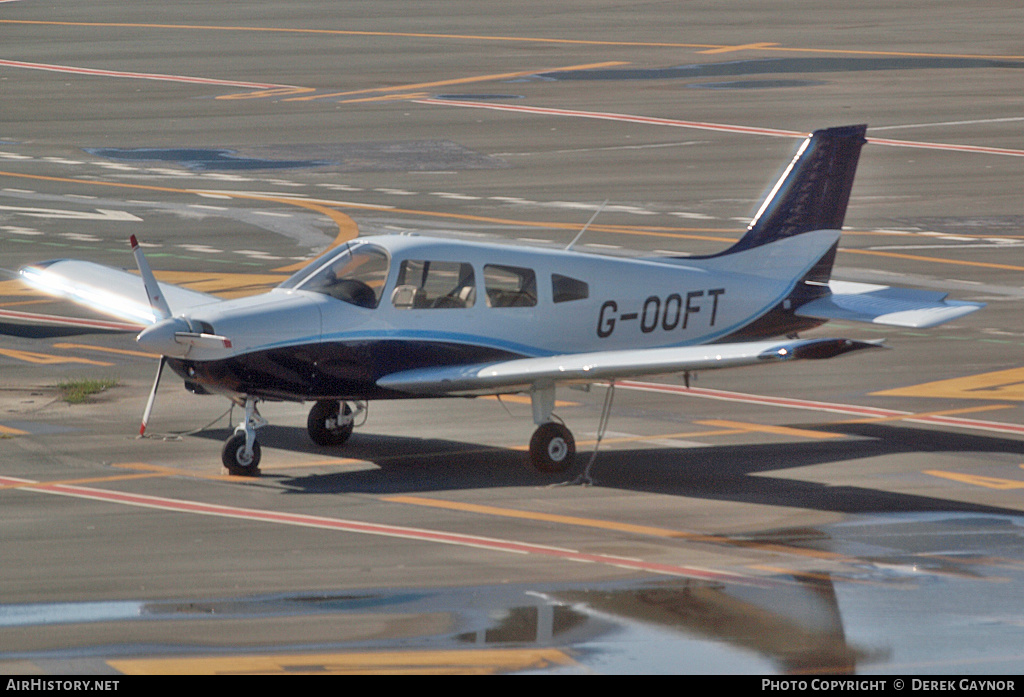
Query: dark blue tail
{"type": "Point", "coordinates": [813, 191]}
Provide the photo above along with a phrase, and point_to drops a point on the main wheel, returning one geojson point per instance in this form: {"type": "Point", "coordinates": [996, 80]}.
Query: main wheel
{"type": "Point", "coordinates": [330, 423]}
{"type": "Point", "coordinates": [233, 456]}
{"type": "Point", "coordinates": [552, 448]}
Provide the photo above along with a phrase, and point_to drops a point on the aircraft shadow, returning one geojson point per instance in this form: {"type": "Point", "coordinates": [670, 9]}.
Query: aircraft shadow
{"type": "Point", "coordinates": [739, 473]}
{"type": "Point", "coordinates": [402, 464]}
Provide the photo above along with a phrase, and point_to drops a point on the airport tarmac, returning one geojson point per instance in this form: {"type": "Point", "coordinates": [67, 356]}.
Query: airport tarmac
{"type": "Point", "coordinates": [858, 515]}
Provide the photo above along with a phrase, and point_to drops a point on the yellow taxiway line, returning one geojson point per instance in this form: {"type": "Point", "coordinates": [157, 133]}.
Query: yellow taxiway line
{"type": "Point", "coordinates": [764, 46]}
{"type": "Point", "coordinates": [452, 662]}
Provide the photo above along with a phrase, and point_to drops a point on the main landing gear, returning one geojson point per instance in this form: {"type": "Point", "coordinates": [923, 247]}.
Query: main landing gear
{"type": "Point", "coordinates": [331, 422]}
{"type": "Point", "coordinates": [552, 447]}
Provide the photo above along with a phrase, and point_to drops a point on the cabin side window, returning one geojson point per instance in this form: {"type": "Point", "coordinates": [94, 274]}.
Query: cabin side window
{"type": "Point", "coordinates": [434, 284]}
{"type": "Point", "coordinates": [510, 286]}
{"type": "Point", "coordinates": [565, 289]}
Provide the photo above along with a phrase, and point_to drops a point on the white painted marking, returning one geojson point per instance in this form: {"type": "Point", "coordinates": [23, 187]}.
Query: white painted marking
{"type": "Point", "coordinates": [138, 76]}
{"type": "Point", "coordinates": [457, 197]}
{"type": "Point", "coordinates": [692, 216]}
{"type": "Point", "coordinates": [99, 214]}
{"type": "Point", "coordinates": [225, 177]}
{"type": "Point", "coordinates": [170, 172]}
{"type": "Point", "coordinates": [205, 249]}
{"type": "Point", "coordinates": [948, 123]}
{"type": "Point", "coordinates": [980, 245]}
{"type": "Point", "coordinates": [255, 254]}
{"type": "Point", "coordinates": [340, 187]}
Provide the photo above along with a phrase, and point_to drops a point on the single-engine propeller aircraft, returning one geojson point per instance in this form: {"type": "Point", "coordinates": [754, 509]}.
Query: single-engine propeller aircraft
{"type": "Point", "coordinates": [398, 316]}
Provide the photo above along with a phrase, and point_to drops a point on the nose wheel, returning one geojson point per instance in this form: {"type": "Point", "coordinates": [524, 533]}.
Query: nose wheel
{"type": "Point", "coordinates": [241, 452]}
{"type": "Point", "coordinates": [238, 460]}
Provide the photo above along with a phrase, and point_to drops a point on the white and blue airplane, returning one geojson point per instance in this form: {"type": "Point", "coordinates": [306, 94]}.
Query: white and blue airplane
{"type": "Point", "coordinates": [392, 317]}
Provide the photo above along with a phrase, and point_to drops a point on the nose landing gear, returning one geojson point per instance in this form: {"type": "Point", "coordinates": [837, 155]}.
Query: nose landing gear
{"type": "Point", "coordinates": [241, 452]}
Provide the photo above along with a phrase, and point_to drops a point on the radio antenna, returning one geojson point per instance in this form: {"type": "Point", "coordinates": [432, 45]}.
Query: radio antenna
{"type": "Point", "coordinates": [580, 233]}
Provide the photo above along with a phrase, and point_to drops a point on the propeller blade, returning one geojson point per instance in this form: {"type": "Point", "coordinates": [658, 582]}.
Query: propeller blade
{"type": "Point", "coordinates": [156, 298]}
{"type": "Point", "coordinates": [152, 396]}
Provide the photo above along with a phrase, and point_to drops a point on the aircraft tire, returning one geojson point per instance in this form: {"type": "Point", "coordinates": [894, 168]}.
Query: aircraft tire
{"type": "Point", "coordinates": [233, 457]}
{"type": "Point", "coordinates": [316, 424]}
{"type": "Point", "coordinates": [552, 448]}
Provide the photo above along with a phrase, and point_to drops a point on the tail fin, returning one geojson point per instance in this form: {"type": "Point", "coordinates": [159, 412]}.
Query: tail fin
{"type": "Point", "coordinates": [813, 191]}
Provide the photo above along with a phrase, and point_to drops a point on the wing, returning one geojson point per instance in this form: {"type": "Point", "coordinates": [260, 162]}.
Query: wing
{"type": "Point", "coordinates": [521, 374]}
{"type": "Point", "coordinates": [900, 307]}
{"type": "Point", "coordinates": [107, 290]}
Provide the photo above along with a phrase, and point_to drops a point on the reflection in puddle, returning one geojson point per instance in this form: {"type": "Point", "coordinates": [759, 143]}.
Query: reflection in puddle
{"type": "Point", "coordinates": [654, 627]}
{"type": "Point", "coordinates": [906, 593]}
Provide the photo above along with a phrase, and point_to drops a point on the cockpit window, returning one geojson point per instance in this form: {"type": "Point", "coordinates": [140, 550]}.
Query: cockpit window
{"type": "Point", "coordinates": [356, 274]}
{"type": "Point", "coordinates": [434, 284]}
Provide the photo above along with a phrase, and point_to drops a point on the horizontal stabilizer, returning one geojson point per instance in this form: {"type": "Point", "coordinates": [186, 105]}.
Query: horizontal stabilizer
{"type": "Point", "coordinates": [522, 373]}
{"type": "Point", "coordinates": [898, 307]}
{"type": "Point", "coordinates": [110, 291]}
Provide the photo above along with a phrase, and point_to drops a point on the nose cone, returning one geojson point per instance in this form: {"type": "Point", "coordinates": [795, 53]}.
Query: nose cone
{"type": "Point", "coordinates": [159, 338]}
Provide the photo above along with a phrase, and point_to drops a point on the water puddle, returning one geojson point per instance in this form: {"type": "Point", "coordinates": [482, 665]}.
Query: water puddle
{"type": "Point", "coordinates": [917, 593]}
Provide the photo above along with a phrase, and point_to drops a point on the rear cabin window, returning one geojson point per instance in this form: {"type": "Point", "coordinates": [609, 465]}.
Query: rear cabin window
{"type": "Point", "coordinates": [565, 289]}
{"type": "Point", "coordinates": [434, 285]}
{"type": "Point", "coordinates": [510, 286]}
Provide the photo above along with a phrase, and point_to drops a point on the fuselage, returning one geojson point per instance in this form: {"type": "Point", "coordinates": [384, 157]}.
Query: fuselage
{"type": "Point", "coordinates": [386, 304]}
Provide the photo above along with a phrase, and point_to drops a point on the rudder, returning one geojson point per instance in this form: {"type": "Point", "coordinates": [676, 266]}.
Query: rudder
{"type": "Point", "coordinates": [813, 192]}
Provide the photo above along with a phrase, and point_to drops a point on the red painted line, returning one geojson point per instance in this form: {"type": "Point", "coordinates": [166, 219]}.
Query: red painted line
{"type": "Point", "coordinates": [946, 146]}
{"type": "Point", "coordinates": [353, 526]}
{"type": "Point", "coordinates": [54, 320]}
{"type": "Point", "coordinates": [706, 126]}
{"type": "Point", "coordinates": [137, 76]}
{"type": "Point", "coordinates": [788, 403]}
{"type": "Point", "coordinates": [609, 116]}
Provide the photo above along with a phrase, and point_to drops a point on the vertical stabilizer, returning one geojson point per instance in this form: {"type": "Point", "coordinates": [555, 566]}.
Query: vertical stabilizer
{"type": "Point", "coordinates": [813, 191]}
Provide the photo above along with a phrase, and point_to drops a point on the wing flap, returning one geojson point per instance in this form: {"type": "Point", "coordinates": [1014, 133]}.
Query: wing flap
{"type": "Point", "coordinates": [109, 291]}
{"type": "Point", "coordinates": [899, 307]}
{"type": "Point", "coordinates": [520, 374]}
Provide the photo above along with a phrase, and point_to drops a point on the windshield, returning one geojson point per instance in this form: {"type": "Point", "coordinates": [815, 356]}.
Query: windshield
{"type": "Point", "coordinates": [355, 274]}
